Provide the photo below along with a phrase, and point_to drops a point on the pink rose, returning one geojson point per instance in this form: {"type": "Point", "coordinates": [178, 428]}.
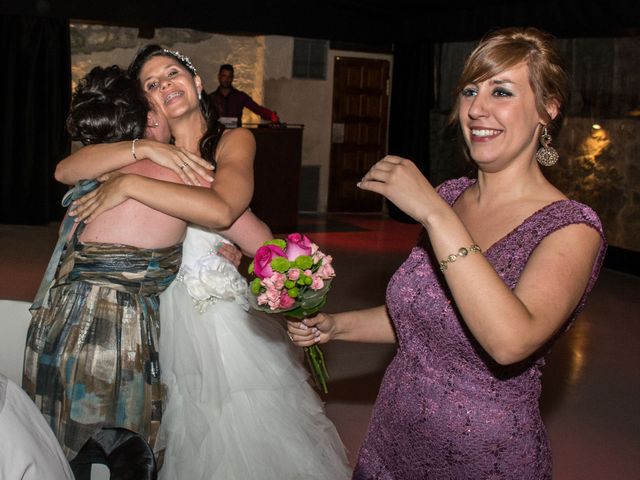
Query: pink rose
{"type": "Point", "coordinates": [262, 260]}
{"type": "Point", "coordinates": [297, 244]}
{"type": "Point", "coordinates": [326, 271]}
{"type": "Point", "coordinates": [277, 280]}
{"type": "Point", "coordinates": [294, 274]}
{"type": "Point", "coordinates": [272, 294]}
{"type": "Point", "coordinates": [318, 257]}
{"type": "Point", "coordinates": [317, 283]}
{"type": "Point", "coordinates": [286, 301]}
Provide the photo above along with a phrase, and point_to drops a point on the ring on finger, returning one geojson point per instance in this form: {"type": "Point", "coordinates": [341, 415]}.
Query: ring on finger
{"type": "Point", "coordinates": [290, 336]}
{"type": "Point", "coordinates": [184, 164]}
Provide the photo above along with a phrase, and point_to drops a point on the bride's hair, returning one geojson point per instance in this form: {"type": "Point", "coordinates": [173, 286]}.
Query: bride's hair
{"type": "Point", "coordinates": [209, 140]}
{"type": "Point", "coordinates": [107, 106]}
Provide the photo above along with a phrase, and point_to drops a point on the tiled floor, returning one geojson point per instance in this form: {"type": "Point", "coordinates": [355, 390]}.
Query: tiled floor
{"type": "Point", "coordinates": [591, 381]}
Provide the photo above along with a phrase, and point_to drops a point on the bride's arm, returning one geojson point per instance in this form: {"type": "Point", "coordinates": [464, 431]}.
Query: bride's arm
{"type": "Point", "coordinates": [216, 207]}
{"type": "Point", "coordinates": [92, 161]}
{"type": "Point", "coordinates": [248, 232]}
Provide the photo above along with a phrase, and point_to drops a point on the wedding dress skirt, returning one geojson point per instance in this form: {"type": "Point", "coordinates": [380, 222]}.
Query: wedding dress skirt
{"type": "Point", "coordinates": [239, 403]}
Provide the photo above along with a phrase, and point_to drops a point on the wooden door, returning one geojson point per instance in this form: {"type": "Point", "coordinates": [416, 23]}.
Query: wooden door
{"type": "Point", "coordinates": [359, 131]}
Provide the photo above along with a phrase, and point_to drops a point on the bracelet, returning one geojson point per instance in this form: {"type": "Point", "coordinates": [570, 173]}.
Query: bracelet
{"type": "Point", "coordinates": [463, 252]}
{"type": "Point", "coordinates": [133, 149]}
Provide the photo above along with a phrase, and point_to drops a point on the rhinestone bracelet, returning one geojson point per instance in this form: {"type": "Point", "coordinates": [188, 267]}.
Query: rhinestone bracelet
{"type": "Point", "coordinates": [463, 252]}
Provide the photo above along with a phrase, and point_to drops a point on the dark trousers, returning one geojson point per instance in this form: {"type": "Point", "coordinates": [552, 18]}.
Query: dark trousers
{"type": "Point", "coordinates": [127, 455]}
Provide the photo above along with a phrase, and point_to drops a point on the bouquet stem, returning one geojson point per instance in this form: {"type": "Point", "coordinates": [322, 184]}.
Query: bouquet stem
{"type": "Point", "coordinates": [318, 367]}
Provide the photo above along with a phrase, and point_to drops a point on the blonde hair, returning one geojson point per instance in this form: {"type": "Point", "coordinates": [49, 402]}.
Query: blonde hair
{"type": "Point", "coordinates": [506, 48]}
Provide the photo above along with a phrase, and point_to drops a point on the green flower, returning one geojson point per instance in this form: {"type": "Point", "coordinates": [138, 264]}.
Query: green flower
{"type": "Point", "coordinates": [304, 262]}
{"type": "Point", "coordinates": [280, 264]}
{"type": "Point", "coordinates": [250, 269]}
{"type": "Point", "coordinates": [255, 286]}
{"type": "Point", "coordinates": [293, 292]}
{"type": "Point", "coordinates": [278, 242]}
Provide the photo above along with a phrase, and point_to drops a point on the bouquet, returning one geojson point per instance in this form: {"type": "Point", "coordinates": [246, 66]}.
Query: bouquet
{"type": "Point", "coordinates": [293, 277]}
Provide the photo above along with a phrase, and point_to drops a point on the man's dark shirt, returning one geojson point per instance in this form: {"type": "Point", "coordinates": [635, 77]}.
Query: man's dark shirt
{"type": "Point", "coordinates": [234, 102]}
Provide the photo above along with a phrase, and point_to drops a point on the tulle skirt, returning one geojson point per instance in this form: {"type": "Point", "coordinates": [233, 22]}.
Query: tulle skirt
{"type": "Point", "coordinates": [239, 403]}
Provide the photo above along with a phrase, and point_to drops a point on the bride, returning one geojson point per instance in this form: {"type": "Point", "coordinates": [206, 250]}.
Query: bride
{"type": "Point", "coordinates": [239, 404]}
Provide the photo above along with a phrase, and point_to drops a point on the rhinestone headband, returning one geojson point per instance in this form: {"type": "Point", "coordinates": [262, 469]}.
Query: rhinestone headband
{"type": "Point", "coordinates": [183, 58]}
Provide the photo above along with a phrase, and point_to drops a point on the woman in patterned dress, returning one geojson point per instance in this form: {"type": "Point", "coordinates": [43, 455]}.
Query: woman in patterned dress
{"type": "Point", "coordinates": [91, 361]}
{"type": "Point", "coordinates": [504, 264]}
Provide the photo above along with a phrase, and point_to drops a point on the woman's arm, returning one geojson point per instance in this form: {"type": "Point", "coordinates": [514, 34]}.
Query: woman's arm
{"type": "Point", "coordinates": [92, 161]}
{"type": "Point", "coordinates": [510, 325]}
{"type": "Point", "coordinates": [216, 207]}
{"type": "Point", "coordinates": [248, 232]}
{"type": "Point", "coordinates": [372, 325]}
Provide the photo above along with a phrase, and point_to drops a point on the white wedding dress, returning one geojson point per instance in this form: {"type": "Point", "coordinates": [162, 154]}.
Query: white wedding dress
{"type": "Point", "coordinates": [239, 405]}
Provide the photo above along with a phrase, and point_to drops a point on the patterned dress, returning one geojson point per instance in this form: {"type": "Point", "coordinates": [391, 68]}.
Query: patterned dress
{"type": "Point", "coordinates": [91, 358]}
{"type": "Point", "coordinates": [445, 409]}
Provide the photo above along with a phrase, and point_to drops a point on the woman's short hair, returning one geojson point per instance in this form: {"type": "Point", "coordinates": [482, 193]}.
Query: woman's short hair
{"type": "Point", "coordinates": [506, 48]}
{"type": "Point", "coordinates": [107, 106]}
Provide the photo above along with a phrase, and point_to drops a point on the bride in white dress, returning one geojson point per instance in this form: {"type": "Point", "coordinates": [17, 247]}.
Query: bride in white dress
{"type": "Point", "coordinates": [239, 402]}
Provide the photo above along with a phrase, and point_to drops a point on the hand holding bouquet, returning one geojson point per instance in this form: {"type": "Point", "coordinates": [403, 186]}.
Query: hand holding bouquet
{"type": "Point", "coordinates": [293, 277]}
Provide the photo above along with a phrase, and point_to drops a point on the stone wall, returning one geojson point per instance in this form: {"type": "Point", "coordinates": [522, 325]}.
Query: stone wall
{"type": "Point", "coordinates": [262, 64]}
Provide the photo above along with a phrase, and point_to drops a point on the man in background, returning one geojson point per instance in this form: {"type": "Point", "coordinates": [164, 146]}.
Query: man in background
{"type": "Point", "coordinates": [229, 101]}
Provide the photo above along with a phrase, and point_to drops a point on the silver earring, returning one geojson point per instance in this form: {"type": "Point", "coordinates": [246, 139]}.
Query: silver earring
{"type": "Point", "coordinates": [200, 95]}
{"type": "Point", "coordinates": [546, 154]}
{"type": "Point", "coordinates": [155, 124]}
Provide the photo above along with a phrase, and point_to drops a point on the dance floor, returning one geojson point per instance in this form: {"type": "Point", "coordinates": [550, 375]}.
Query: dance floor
{"type": "Point", "coordinates": [591, 391]}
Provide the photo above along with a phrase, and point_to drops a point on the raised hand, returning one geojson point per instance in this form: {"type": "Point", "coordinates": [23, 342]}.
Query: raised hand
{"type": "Point", "coordinates": [400, 180]}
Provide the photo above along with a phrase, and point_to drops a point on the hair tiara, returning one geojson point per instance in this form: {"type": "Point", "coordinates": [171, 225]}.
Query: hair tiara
{"type": "Point", "coordinates": [183, 58]}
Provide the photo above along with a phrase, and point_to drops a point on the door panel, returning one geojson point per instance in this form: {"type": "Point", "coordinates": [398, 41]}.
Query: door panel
{"type": "Point", "coordinates": [360, 106]}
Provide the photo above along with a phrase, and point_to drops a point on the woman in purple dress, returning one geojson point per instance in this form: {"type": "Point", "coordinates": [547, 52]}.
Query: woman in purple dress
{"type": "Point", "coordinates": [504, 265]}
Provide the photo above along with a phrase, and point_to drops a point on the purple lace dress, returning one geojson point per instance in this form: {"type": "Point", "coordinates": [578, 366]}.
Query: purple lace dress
{"type": "Point", "coordinates": [445, 409]}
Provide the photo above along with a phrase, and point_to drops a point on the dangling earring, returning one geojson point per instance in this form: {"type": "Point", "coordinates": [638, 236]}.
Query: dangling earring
{"type": "Point", "coordinates": [546, 154]}
{"type": "Point", "coordinates": [200, 95]}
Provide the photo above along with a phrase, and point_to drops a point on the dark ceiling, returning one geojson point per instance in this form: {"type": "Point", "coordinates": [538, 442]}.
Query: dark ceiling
{"type": "Point", "coordinates": [362, 21]}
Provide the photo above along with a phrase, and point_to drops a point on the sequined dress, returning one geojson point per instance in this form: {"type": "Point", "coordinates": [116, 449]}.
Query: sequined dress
{"type": "Point", "coordinates": [445, 409]}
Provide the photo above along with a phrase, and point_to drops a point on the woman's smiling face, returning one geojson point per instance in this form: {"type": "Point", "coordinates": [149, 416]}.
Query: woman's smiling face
{"type": "Point", "coordinates": [170, 86]}
{"type": "Point", "coordinates": [499, 118]}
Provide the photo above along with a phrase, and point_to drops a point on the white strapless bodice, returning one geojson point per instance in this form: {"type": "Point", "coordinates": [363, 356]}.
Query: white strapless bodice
{"type": "Point", "coordinates": [208, 276]}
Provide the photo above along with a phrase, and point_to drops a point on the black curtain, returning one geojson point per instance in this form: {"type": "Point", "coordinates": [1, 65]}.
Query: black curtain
{"type": "Point", "coordinates": [411, 102]}
{"type": "Point", "coordinates": [34, 100]}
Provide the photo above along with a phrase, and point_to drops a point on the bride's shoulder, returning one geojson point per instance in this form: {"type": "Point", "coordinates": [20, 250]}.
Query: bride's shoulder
{"type": "Point", "coordinates": [237, 135]}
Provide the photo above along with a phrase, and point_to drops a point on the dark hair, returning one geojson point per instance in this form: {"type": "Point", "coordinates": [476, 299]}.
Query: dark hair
{"type": "Point", "coordinates": [209, 140]}
{"type": "Point", "coordinates": [107, 106]}
{"type": "Point", "coordinates": [506, 48]}
{"type": "Point", "coordinates": [226, 66]}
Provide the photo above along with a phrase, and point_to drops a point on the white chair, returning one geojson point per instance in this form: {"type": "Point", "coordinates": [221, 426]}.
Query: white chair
{"type": "Point", "coordinates": [14, 323]}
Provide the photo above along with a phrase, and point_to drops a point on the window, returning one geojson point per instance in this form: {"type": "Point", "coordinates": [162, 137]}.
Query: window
{"type": "Point", "coordinates": [310, 58]}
